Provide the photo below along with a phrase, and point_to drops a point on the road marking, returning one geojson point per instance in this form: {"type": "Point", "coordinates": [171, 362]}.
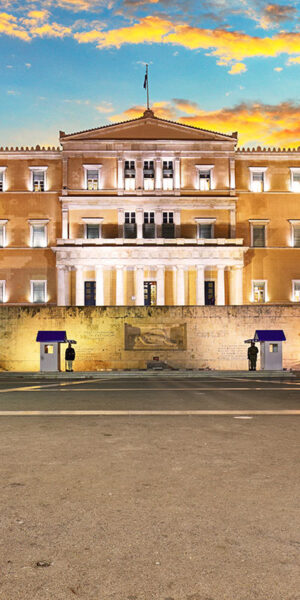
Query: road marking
{"type": "Point", "coordinates": [230, 389]}
{"type": "Point", "coordinates": [69, 413]}
{"type": "Point", "coordinates": [48, 385]}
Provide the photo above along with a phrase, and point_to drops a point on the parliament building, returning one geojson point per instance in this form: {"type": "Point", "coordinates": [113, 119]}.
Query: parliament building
{"type": "Point", "coordinates": [149, 212]}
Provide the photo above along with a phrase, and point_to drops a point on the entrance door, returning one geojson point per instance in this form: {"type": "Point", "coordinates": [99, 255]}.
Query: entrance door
{"type": "Point", "coordinates": [150, 293]}
{"type": "Point", "coordinates": [50, 357]}
{"type": "Point", "coordinates": [90, 293]}
{"type": "Point", "coordinates": [210, 292]}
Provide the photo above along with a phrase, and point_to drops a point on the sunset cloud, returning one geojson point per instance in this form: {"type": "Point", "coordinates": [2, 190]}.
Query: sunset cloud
{"type": "Point", "coordinates": [237, 68]}
{"type": "Point", "coordinates": [257, 123]}
{"type": "Point", "coordinates": [276, 14]}
{"type": "Point", "coordinates": [9, 26]}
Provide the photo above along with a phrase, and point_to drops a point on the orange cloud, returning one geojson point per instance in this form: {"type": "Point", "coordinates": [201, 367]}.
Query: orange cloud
{"type": "Point", "coordinates": [256, 123]}
{"type": "Point", "coordinates": [9, 26]}
{"type": "Point", "coordinates": [226, 45]}
{"type": "Point", "coordinates": [237, 68]}
{"type": "Point", "coordinates": [50, 30]}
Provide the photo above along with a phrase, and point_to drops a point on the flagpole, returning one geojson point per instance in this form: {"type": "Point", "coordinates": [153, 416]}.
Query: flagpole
{"type": "Point", "coordinates": [147, 87]}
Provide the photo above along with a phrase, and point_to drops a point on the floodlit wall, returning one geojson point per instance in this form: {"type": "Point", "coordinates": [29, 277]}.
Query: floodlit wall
{"type": "Point", "coordinates": [210, 337]}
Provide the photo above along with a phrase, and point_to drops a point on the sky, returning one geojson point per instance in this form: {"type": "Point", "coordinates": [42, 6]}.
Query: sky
{"type": "Point", "coordinates": [224, 65]}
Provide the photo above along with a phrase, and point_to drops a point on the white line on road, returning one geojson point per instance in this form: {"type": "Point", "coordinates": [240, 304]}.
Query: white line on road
{"type": "Point", "coordinates": [149, 390]}
{"type": "Point", "coordinates": [69, 413]}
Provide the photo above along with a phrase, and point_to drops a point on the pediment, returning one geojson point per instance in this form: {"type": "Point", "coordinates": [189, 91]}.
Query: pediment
{"type": "Point", "coordinates": [148, 128]}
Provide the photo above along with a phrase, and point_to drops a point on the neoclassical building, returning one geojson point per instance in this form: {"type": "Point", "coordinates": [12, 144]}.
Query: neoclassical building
{"type": "Point", "coordinates": [149, 212]}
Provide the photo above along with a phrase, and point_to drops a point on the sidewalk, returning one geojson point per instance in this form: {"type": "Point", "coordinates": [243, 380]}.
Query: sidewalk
{"type": "Point", "coordinates": [159, 373]}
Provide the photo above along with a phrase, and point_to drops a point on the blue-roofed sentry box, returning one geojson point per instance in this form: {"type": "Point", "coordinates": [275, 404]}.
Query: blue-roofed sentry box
{"type": "Point", "coordinates": [50, 349]}
{"type": "Point", "coordinates": [270, 348]}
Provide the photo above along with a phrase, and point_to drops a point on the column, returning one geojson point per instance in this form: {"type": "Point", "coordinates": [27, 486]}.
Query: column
{"type": "Point", "coordinates": [220, 286]}
{"type": "Point", "coordinates": [180, 286]}
{"type": "Point", "coordinates": [160, 286]}
{"type": "Point", "coordinates": [139, 215]}
{"type": "Point", "coordinates": [233, 223]}
{"type": "Point", "coordinates": [177, 223]}
{"type": "Point", "coordinates": [139, 174]}
{"type": "Point", "coordinates": [139, 286]}
{"type": "Point", "coordinates": [158, 217]}
{"type": "Point", "coordinates": [232, 174]}
{"type": "Point", "coordinates": [65, 176]}
{"type": "Point", "coordinates": [61, 288]}
{"type": "Point", "coordinates": [177, 174]}
{"type": "Point", "coordinates": [65, 223]}
{"type": "Point", "coordinates": [236, 286]}
{"type": "Point", "coordinates": [119, 285]}
{"type": "Point", "coordinates": [99, 285]}
{"type": "Point", "coordinates": [158, 174]}
{"type": "Point", "coordinates": [67, 286]}
{"type": "Point", "coordinates": [79, 286]}
{"type": "Point", "coordinates": [121, 221]}
{"type": "Point", "coordinates": [200, 285]}
{"type": "Point", "coordinates": [120, 174]}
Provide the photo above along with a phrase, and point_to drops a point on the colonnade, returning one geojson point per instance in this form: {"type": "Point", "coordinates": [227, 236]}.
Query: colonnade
{"type": "Point", "coordinates": [235, 286]}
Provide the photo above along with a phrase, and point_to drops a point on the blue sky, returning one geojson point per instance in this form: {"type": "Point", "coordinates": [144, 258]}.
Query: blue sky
{"type": "Point", "coordinates": [219, 64]}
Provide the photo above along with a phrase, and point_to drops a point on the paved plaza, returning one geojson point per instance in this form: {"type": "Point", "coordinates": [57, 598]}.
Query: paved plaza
{"type": "Point", "coordinates": [149, 488]}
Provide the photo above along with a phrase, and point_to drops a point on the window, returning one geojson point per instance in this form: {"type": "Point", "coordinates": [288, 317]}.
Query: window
{"type": "Point", "coordinates": [296, 235]}
{"type": "Point", "coordinates": [204, 181]}
{"type": "Point", "coordinates": [38, 233]}
{"type": "Point", "coordinates": [3, 233]}
{"type": "Point", "coordinates": [257, 178]}
{"type": "Point", "coordinates": [38, 236]}
{"type": "Point", "coordinates": [38, 175]}
{"type": "Point", "coordinates": [2, 292]}
{"type": "Point", "coordinates": [92, 179]}
{"type": "Point", "coordinates": [130, 225]}
{"type": "Point", "coordinates": [205, 230]}
{"type": "Point", "coordinates": [258, 236]}
{"type": "Point", "coordinates": [2, 178]}
{"type": "Point", "coordinates": [296, 290]}
{"type": "Point", "coordinates": [168, 175]}
{"type": "Point", "coordinates": [259, 291]}
{"type": "Point", "coordinates": [129, 175]}
{"type": "Point", "coordinates": [149, 225]}
{"type": "Point", "coordinates": [92, 232]}
{"type": "Point", "coordinates": [295, 179]}
{"type": "Point", "coordinates": [148, 175]}
{"type": "Point", "coordinates": [273, 348]}
{"type": "Point", "coordinates": [168, 226]}
{"type": "Point", "coordinates": [38, 291]}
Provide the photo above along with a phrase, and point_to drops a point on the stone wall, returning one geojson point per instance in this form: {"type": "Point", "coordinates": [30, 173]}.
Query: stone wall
{"type": "Point", "coordinates": [187, 337]}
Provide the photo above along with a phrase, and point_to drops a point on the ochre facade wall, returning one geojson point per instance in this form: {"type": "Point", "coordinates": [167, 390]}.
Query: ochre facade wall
{"type": "Point", "coordinates": [214, 335]}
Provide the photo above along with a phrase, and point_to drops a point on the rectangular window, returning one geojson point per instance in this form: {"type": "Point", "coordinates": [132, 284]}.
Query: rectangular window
{"type": "Point", "coordinates": [273, 348]}
{"type": "Point", "coordinates": [168, 226]}
{"type": "Point", "coordinates": [2, 236]}
{"type": "Point", "coordinates": [38, 236]}
{"type": "Point", "coordinates": [129, 175]}
{"type": "Point", "coordinates": [257, 181]}
{"type": "Point", "coordinates": [258, 236]}
{"type": "Point", "coordinates": [205, 230]}
{"type": "Point", "coordinates": [1, 181]}
{"type": "Point", "coordinates": [148, 175]}
{"type": "Point", "coordinates": [149, 225]}
{"type": "Point", "coordinates": [92, 176]}
{"type": "Point", "coordinates": [2, 292]}
{"type": "Point", "coordinates": [259, 291]}
{"type": "Point", "coordinates": [296, 290]}
{"type": "Point", "coordinates": [204, 180]}
{"type": "Point", "coordinates": [130, 225]}
{"type": "Point", "coordinates": [38, 291]}
{"type": "Point", "coordinates": [92, 231]}
{"type": "Point", "coordinates": [295, 179]}
{"type": "Point", "coordinates": [296, 236]}
{"type": "Point", "coordinates": [168, 175]}
{"type": "Point", "coordinates": [38, 181]}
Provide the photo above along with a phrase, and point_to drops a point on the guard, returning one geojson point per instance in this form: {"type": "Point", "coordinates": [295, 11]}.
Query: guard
{"type": "Point", "coordinates": [252, 356]}
{"type": "Point", "coordinates": [69, 357]}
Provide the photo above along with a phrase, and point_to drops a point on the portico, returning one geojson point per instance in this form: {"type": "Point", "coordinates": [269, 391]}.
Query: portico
{"type": "Point", "coordinates": [187, 268]}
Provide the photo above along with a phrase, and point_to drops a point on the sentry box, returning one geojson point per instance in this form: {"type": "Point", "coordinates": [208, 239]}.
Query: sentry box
{"type": "Point", "coordinates": [270, 348]}
{"type": "Point", "coordinates": [50, 349]}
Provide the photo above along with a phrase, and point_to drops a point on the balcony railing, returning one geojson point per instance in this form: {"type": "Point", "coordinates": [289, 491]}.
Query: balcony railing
{"type": "Point", "coordinates": [153, 242]}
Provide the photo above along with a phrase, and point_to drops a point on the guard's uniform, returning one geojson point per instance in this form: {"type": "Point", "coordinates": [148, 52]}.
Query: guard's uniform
{"type": "Point", "coordinates": [252, 356]}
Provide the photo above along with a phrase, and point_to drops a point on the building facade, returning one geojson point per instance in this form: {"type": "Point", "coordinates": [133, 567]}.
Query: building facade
{"type": "Point", "coordinates": [149, 212]}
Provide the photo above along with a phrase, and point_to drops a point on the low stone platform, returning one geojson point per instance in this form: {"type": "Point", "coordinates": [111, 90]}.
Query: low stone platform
{"type": "Point", "coordinates": [156, 373]}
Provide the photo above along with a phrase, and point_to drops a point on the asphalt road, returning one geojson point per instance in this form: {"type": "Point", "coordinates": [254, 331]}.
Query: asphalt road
{"type": "Point", "coordinates": [198, 500]}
